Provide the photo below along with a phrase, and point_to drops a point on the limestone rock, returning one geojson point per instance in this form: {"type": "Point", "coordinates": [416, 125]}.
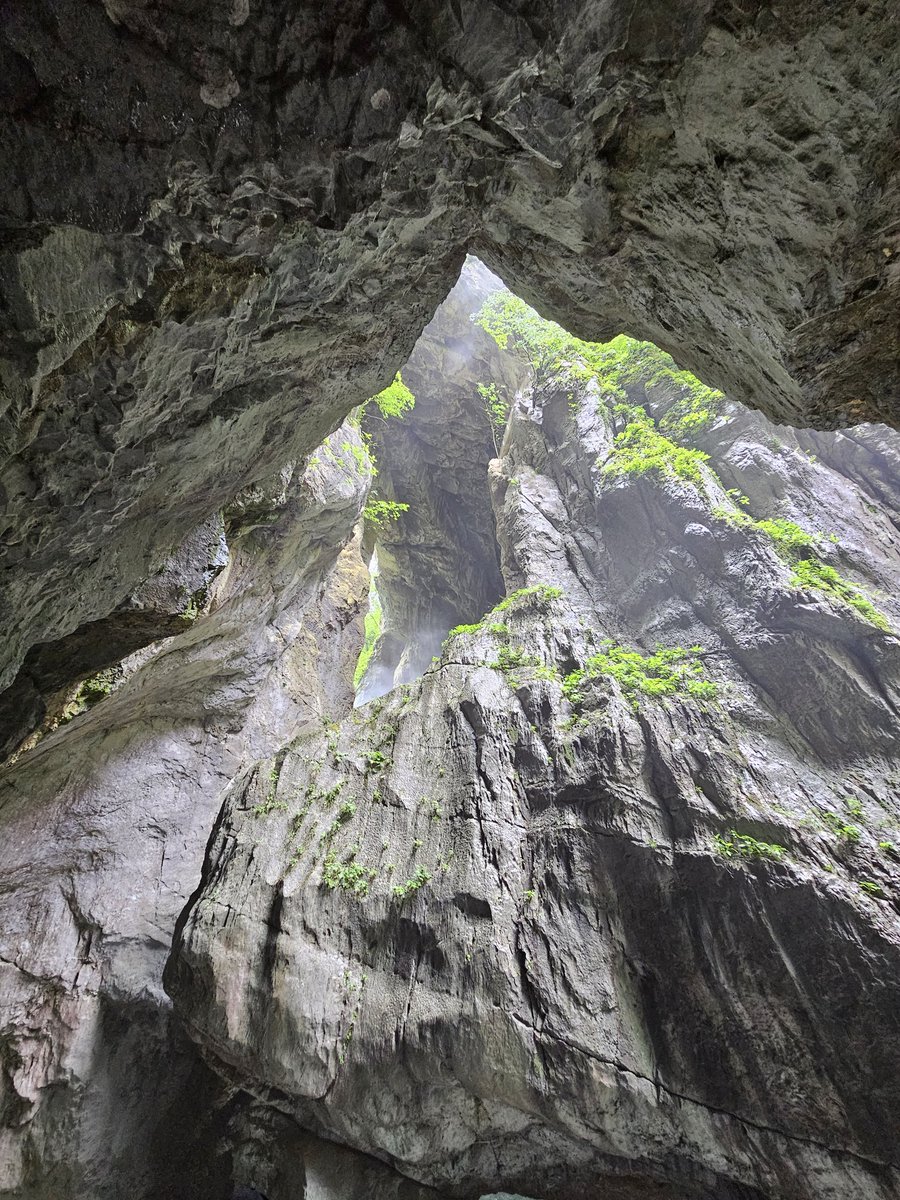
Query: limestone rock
{"type": "Point", "coordinates": [225, 225]}
{"type": "Point", "coordinates": [104, 825]}
{"type": "Point", "coordinates": [524, 926]}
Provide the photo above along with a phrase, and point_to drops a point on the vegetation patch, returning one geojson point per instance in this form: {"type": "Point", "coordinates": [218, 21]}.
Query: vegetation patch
{"type": "Point", "coordinates": [540, 595]}
{"type": "Point", "coordinates": [372, 627]}
{"type": "Point", "coordinates": [496, 409]}
{"type": "Point", "coordinates": [640, 449]}
{"type": "Point", "coordinates": [670, 671]}
{"type": "Point", "coordinates": [395, 400]}
{"type": "Point", "coordinates": [417, 881]}
{"type": "Point", "coordinates": [872, 889]}
{"type": "Point", "coordinates": [383, 512]}
{"type": "Point", "coordinates": [838, 826]}
{"type": "Point", "coordinates": [799, 547]}
{"type": "Point", "coordinates": [742, 845]}
{"type": "Point", "coordinates": [347, 875]}
{"type": "Point", "coordinates": [810, 573]}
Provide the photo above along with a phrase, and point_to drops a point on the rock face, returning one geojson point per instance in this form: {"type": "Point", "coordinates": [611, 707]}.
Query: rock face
{"type": "Point", "coordinates": [104, 825]}
{"type": "Point", "coordinates": [539, 922]}
{"type": "Point", "coordinates": [438, 562]}
{"type": "Point", "coordinates": [225, 224]}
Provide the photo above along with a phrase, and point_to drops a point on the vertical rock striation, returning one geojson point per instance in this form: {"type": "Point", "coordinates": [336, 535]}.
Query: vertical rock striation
{"type": "Point", "coordinates": [104, 825]}
{"type": "Point", "coordinates": [569, 916]}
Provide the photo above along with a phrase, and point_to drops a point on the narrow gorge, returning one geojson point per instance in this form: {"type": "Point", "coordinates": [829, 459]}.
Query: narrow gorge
{"type": "Point", "coordinates": [450, 575]}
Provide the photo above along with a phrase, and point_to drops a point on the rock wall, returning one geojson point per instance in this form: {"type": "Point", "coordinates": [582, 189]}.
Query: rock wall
{"type": "Point", "coordinates": [104, 826]}
{"type": "Point", "coordinates": [504, 929]}
{"type": "Point", "coordinates": [525, 926]}
{"type": "Point", "coordinates": [438, 562]}
{"type": "Point", "coordinates": [225, 224]}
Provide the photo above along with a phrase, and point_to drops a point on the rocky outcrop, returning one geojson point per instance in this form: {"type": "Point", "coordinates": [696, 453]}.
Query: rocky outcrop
{"type": "Point", "coordinates": [225, 225]}
{"type": "Point", "coordinates": [104, 825]}
{"type": "Point", "coordinates": [42, 692]}
{"type": "Point", "coordinates": [560, 921]}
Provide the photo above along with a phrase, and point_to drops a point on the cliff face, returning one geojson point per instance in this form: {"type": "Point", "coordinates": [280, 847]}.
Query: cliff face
{"type": "Point", "coordinates": [565, 915]}
{"type": "Point", "coordinates": [225, 224]}
{"type": "Point", "coordinates": [573, 914]}
{"type": "Point", "coordinates": [104, 826]}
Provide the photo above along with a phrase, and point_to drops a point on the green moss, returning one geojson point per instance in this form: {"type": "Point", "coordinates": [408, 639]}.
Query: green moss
{"type": "Point", "coordinates": [457, 630]}
{"type": "Point", "coordinates": [872, 889]}
{"type": "Point", "coordinates": [372, 629]}
{"type": "Point", "coordinates": [541, 595]}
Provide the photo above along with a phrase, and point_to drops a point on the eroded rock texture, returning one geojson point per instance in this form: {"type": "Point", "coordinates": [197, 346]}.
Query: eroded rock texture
{"type": "Point", "coordinates": [512, 929]}
{"type": "Point", "coordinates": [104, 824]}
{"type": "Point", "coordinates": [225, 224]}
{"type": "Point", "coordinates": [439, 564]}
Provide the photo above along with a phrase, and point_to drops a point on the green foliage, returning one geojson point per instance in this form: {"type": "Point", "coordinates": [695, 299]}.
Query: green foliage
{"type": "Point", "coordinates": [362, 456]}
{"type": "Point", "coordinates": [614, 366]}
{"type": "Point", "coordinates": [372, 634]}
{"type": "Point", "coordinates": [508, 659]}
{"type": "Point", "coordinates": [798, 547]}
{"type": "Point", "coordinates": [543, 344]}
{"type": "Point", "coordinates": [269, 805]}
{"type": "Point", "coordinates": [790, 539]}
{"type": "Point", "coordinates": [670, 671]}
{"type": "Point", "coordinates": [872, 889]}
{"type": "Point", "coordinates": [737, 496]}
{"type": "Point", "coordinates": [529, 895]}
{"type": "Point", "coordinates": [375, 760]}
{"type": "Point", "coordinates": [742, 845]}
{"type": "Point", "coordinates": [541, 595]}
{"type": "Point", "coordinates": [418, 880]}
{"type": "Point", "coordinates": [382, 512]}
{"type": "Point", "coordinates": [696, 406]}
{"type": "Point", "coordinates": [395, 400]}
{"type": "Point", "coordinates": [810, 573]}
{"type": "Point", "coordinates": [850, 833]}
{"type": "Point", "coordinates": [497, 409]}
{"type": "Point", "coordinates": [641, 450]}
{"type": "Point", "coordinates": [347, 874]}
{"type": "Point", "coordinates": [460, 629]}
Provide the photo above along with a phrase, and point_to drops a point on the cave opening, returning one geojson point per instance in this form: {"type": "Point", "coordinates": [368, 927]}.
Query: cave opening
{"type": "Point", "coordinates": [486, 373]}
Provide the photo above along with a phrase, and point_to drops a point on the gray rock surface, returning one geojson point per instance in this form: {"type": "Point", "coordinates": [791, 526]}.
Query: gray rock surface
{"type": "Point", "coordinates": [104, 825]}
{"type": "Point", "coordinates": [507, 938]}
{"type": "Point", "coordinates": [438, 562]}
{"type": "Point", "coordinates": [478, 936]}
{"type": "Point", "coordinates": [225, 224]}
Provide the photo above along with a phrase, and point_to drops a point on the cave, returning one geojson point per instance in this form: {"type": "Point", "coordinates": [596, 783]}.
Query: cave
{"type": "Point", "coordinates": [450, 549]}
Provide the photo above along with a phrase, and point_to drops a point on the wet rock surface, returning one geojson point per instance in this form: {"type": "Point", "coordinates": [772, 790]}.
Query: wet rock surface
{"type": "Point", "coordinates": [104, 826]}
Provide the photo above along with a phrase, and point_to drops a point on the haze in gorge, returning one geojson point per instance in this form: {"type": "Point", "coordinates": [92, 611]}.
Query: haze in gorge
{"type": "Point", "coordinates": [449, 563]}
